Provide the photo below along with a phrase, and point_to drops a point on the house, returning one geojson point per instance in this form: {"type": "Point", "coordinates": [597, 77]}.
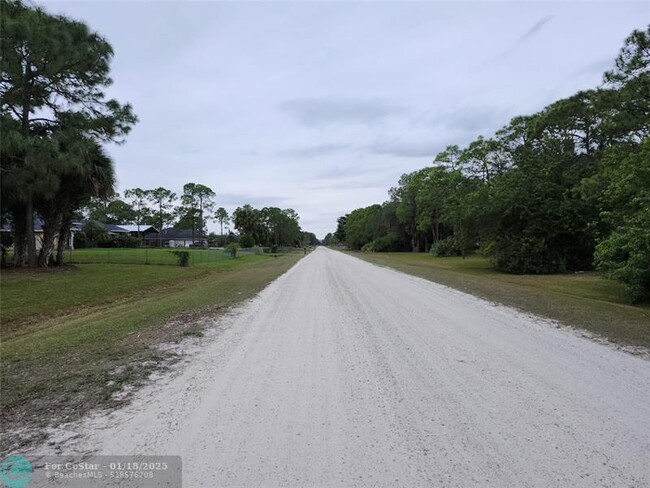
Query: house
{"type": "Point", "coordinates": [146, 232]}
{"type": "Point", "coordinates": [173, 237]}
{"type": "Point", "coordinates": [113, 229]}
{"type": "Point", "coordinates": [75, 227]}
{"type": "Point", "coordinates": [141, 230]}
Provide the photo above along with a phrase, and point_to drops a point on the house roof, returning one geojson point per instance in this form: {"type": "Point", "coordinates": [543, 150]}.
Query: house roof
{"type": "Point", "coordinates": [174, 233]}
{"type": "Point", "coordinates": [115, 229]}
{"type": "Point", "coordinates": [78, 226]}
{"type": "Point", "coordinates": [134, 228]}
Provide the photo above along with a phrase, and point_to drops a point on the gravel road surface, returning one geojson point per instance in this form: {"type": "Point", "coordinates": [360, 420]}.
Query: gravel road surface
{"type": "Point", "coordinates": [345, 374]}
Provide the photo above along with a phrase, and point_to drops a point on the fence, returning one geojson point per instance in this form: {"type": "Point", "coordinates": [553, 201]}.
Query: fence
{"type": "Point", "coordinates": [149, 255]}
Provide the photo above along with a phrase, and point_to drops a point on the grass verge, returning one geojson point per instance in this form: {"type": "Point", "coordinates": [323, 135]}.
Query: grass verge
{"type": "Point", "coordinates": [583, 300]}
{"type": "Point", "coordinates": [60, 368]}
{"type": "Point", "coordinates": [30, 297]}
{"type": "Point", "coordinates": [147, 255]}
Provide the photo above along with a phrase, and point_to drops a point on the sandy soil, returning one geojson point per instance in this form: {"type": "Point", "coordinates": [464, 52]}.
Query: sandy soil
{"type": "Point", "coordinates": [342, 374]}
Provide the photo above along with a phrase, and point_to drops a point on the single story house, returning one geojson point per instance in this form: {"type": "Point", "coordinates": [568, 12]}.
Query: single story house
{"type": "Point", "coordinates": [141, 230]}
{"type": "Point", "coordinates": [38, 232]}
{"type": "Point", "coordinates": [146, 231]}
{"type": "Point", "coordinates": [173, 237]}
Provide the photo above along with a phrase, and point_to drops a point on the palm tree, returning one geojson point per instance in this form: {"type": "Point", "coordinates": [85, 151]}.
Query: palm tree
{"type": "Point", "coordinates": [90, 174]}
{"type": "Point", "coordinates": [245, 219]}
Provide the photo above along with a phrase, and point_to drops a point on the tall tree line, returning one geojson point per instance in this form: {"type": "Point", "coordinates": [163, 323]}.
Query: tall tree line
{"type": "Point", "coordinates": [270, 226]}
{"type": "Point", "coordinates": [159, 207]}
{"type": "Point", "coordinates": [193, 209]}
{"type": "Point", "coordinates": [565, 189]}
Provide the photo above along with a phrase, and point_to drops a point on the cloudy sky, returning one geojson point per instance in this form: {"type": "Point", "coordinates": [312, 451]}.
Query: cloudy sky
{"type": "Point", "coordinates": [321, 106]}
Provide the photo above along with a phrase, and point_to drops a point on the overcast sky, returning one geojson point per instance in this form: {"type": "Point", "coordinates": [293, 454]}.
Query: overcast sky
{"type": "Point", "coordinates": [320, 107]}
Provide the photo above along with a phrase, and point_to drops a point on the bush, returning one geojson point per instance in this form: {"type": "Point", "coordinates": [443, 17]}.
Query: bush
{"type": "Point", "coordinates": [232, 247]}
{"type": "Point", "coordinates": [94, 234]}
{"type": "Point", "coordinates": [257, 250]}
{"type": "Point", "coordinates": [524, 255]}
{"type": "Point", "coordinates": [246, 240]}
{"type": "Point", "coordinates": [449, 246]}
{"type": "Point", "coordinates": [388, 243]}
{"type": "Point", "coordinates": [183, 257]}
{"type": "Point", "coordinates": [121, 241]}
{"type": "Point", "coordinates": [625, 256]}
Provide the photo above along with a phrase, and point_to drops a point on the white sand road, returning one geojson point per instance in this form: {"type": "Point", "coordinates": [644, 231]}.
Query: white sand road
{"type": "Point", "coordinates": [342, 373]}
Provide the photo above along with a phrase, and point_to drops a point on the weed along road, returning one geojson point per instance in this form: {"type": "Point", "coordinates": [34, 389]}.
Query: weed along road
{"type": "Point", "coordinates": [342, 373]}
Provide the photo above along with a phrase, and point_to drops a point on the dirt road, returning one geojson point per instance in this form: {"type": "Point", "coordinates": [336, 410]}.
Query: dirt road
{"type": "Point", "coordinates": [346, 374]}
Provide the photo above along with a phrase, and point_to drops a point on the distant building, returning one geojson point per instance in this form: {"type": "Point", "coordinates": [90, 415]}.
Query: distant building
{"type": "Point", "coordinates": [173, 237]}
{"type": "Point", "coordinates": [143, 231]}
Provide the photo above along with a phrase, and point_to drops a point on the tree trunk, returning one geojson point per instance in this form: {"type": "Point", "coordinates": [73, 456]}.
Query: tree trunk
{"type": "Point", "coordinates": [64, 236]}
{"type": "Point", "coordinates": [18, 214]}
{"type": "Point", "coordinates": [161, 223]}
{"type": "Point", "coordinates": [30, 236]}
{"type": "Point", "coordinates": [200, 221]}
{"type": "Point", "coordinates": [28, 241]}
{"type": "Point", "coordinates": [193, 227]}
{"type": "Point", "coordinates": [50, 223]}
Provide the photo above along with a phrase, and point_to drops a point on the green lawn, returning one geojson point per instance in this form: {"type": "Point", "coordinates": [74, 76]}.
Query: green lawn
{"type": "Point", "coordinates": [583, 300]}
{"type": "Point", "coordinates": [145, 255]}
{"type": "Point", "coordinates": [29, 297]}
{"type": "Point", "coordinates": [104, 325]}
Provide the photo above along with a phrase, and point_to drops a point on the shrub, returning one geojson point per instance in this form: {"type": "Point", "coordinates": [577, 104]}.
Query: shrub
{"type": "Point", "coordinates": [449, 246]}
{"type": "Point", "coordinates": [520, 256]}
{"type": "Point", "coordinates": [121, 241]}
{"type": "Point", "coordinates": [625, 256]}
{"type": "Point", "coordinates": [94, 234]}
{"type": "Point", "coordinates": [387, 243]}
{"type": "Point", "coordinates": [246, 240]}
{"type": "Point", "coordinates": [183, 257]}
{"type": "Point", "coordinates": [525, 255]}
{"type": "Point", "coordinates": [232, 247]}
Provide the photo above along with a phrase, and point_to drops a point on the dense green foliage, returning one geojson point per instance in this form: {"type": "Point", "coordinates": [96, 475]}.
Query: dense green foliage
{"type": "Point", "coordinates": [624, 254]}
{"type": "Point", "coordinates": [565, 189]}
{"type": "Point", "coordinates": [269, 226]}
{"type": "Point", "coordinates": [53, 116]}
{"type": "Point", "coordinates": [246, 240]}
